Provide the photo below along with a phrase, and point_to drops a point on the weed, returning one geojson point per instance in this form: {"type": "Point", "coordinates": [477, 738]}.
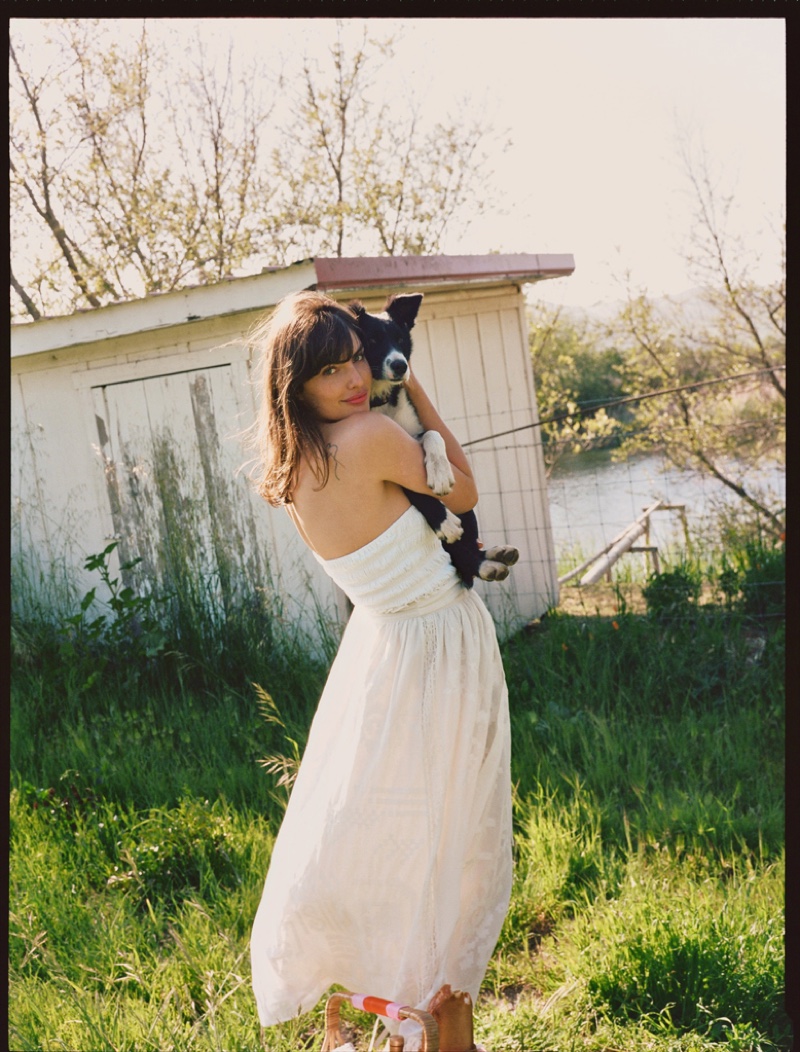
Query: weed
{"type": "Point", "coordinates": [129, 635]}
{"type": "Point", "coordinates": [283, 766]}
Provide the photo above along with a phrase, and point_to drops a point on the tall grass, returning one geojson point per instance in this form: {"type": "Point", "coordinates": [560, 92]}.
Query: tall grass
{"type": "Point", "coordinates": [647, 908]}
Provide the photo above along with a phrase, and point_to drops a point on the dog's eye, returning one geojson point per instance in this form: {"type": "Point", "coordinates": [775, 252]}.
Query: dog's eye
{"type": "Point", "coordinates": [358, 356]}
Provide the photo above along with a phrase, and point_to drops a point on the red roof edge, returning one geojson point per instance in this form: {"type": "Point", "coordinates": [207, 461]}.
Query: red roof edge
{"type": "Point", "coordinates": [364, 271]}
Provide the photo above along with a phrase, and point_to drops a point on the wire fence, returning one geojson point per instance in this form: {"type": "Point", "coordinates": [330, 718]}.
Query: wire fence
{"type": "Point", "coordinates": [694, 521]}
{"type": "Point", "coordinates": [592, 497]}
{"type": "Point", "coordinates": [594, 405]}
{"type": "Point", "coordinates": [642, 515]}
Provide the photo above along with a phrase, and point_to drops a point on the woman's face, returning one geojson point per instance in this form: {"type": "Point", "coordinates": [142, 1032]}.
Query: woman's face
{"type": "Point", "coordinates": [341, 389]}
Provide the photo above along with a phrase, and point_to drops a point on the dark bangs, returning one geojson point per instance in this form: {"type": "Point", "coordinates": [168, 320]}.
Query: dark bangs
{"type": "Point", "coordinates": [329, 342]}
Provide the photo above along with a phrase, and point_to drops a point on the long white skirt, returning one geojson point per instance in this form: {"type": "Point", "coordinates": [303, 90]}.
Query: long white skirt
{"type": "Point", "coordinates": [391, 873]}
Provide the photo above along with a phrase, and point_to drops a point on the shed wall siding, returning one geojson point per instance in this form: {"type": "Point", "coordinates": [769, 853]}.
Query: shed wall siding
{"type": "Point", "coordinates": [172, 452]}
{"type": "Point", "coordinates": [91, 426]}
{"type": "Point", "coordinates": [478, 367]}
{"type": "Point", "coordinates": [54, 498]}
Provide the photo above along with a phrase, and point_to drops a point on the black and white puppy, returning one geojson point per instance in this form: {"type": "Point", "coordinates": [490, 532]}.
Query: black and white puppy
{"type": "Point", "coordinates": [386, 339]}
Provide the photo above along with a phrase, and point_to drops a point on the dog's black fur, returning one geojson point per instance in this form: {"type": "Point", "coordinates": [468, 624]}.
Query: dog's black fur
{"type": "Point", "coordinates": [386, 339]}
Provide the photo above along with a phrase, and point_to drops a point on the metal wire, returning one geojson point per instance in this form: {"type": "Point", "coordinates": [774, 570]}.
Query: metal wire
{"type": "Point", "coordinates": [622, 401]}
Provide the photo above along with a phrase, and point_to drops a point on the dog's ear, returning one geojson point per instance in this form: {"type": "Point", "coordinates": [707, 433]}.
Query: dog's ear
{"type": "Point", "coordinates": [358, 308]}
{"type": "Point", "coordinates": [403, 309]}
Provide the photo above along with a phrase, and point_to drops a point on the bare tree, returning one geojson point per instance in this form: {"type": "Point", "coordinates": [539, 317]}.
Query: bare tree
{"type": "Point", "coordinates": [221, 139]}
{"type": "Point", "coordinates": [360, 175]}
{"type": "Point", "coordinates": [140, 191]}
{"type": "Point", "coordinates": [736, 328]}
{"type": "Point", "coordinates": [137, 170]}
{"type": "Point", "coordinates": [40, 149]}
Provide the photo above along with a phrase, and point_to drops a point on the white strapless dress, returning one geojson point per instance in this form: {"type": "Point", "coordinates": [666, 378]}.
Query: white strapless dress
{"type": "Point", "coordinates": [391, 873]}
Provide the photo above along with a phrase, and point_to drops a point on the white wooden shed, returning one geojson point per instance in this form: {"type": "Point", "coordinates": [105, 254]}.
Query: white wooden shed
{"type": "Point", "coordinates": [126, 424]}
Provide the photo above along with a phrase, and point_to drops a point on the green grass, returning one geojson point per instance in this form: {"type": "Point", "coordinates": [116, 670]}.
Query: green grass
{"type": "Point", "coordinates": [647, 908]}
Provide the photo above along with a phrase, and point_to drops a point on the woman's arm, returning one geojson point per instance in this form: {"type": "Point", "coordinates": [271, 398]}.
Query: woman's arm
{"type": "Point", "coordinates": [374, 445]}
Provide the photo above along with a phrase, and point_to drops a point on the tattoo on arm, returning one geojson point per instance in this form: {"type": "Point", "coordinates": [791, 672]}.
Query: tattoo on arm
{"type": "Point", "coordinates": [332, 450]}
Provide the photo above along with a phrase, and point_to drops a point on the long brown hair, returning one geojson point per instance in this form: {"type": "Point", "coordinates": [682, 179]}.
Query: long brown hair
{"type": "Point", "coordinates": [305, 332]}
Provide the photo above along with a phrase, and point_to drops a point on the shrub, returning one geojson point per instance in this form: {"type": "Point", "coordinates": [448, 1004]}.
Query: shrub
{"type": "Point", "coordinates": [763, 580]}
{"type": "Point", "coordinates": [672, 594]}
{"type": "Point", "coordinates": [127, 634]}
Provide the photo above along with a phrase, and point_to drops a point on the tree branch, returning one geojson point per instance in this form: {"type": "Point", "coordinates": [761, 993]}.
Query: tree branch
{"type": "Point", "coordinates": [30, 306]}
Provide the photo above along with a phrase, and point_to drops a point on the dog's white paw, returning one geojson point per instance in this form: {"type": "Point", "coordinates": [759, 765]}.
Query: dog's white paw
{"type": "Point", "coordinates": [450, 529]}
{"type": "Point", "coordinates": [439, 471]}
{"type": "Point", "coordinates": [492, 571]}
{"type": "Point", "coordinates": [440, 480]}
{"type": "Point", "coordinates": [503, 553]}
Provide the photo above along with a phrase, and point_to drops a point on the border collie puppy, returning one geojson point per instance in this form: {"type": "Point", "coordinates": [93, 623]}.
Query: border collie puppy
{"type": "Point", "coordinates": [386, 339]}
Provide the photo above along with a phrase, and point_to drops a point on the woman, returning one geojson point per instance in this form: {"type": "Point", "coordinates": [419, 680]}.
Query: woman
{"type": "Point", "coordinates": [391, 872]}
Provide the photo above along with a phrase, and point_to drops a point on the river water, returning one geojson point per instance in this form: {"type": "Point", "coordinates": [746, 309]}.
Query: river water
{"type": "Point", "coordinates": [592, 499]}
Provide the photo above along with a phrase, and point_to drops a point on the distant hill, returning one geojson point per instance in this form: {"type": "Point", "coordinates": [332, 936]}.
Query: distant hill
{"type": "Point", "coordinates": [692, 305]}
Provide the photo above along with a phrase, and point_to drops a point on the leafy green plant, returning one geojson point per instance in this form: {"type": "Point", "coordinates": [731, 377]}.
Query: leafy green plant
{"type": "Point", "coordinates": [753, 577]}
{"type": "Point", "coordinates": [729, 581]}
{"type": "Point", "coordinates": [763, 580]}
{"type": "Point", "coordinates": [130, 633]}
{"type": "Point", "coordinates": [672, 594]}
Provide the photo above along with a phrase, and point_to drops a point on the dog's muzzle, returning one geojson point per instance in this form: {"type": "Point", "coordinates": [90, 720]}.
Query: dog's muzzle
{"type": "Point", "coordinates": [395, 367]}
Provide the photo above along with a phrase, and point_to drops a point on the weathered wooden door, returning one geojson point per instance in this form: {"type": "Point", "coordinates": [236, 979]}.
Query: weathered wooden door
{"type": "Point", "coordinates": [172, 453]}
{"type": "Point", "coordinates": [175, 500]}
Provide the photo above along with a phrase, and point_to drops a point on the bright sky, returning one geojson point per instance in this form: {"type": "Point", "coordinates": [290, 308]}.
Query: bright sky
{"type": "Point", "coordinates": [593, 108]}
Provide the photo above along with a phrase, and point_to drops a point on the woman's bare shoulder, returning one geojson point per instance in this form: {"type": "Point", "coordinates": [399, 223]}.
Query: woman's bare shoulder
{"type": "Point", "coordinates": [365, 427]}
{"type": "Point", "coordinates": [371, 445]}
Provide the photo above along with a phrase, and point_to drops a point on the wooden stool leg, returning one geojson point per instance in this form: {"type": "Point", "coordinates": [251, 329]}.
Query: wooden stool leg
{"type": "Point", "coordinates": [452, 1010]}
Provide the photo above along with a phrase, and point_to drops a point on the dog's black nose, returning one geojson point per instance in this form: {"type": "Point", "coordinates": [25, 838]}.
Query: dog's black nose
{"type": "Point", "coordinates": [399, 366]}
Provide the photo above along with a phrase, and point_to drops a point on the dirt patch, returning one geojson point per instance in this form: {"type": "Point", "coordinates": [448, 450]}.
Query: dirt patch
{"type": "Point", "coordinates": [601, 599]}
{"type": "Point", "coordinates": [610, 600]}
